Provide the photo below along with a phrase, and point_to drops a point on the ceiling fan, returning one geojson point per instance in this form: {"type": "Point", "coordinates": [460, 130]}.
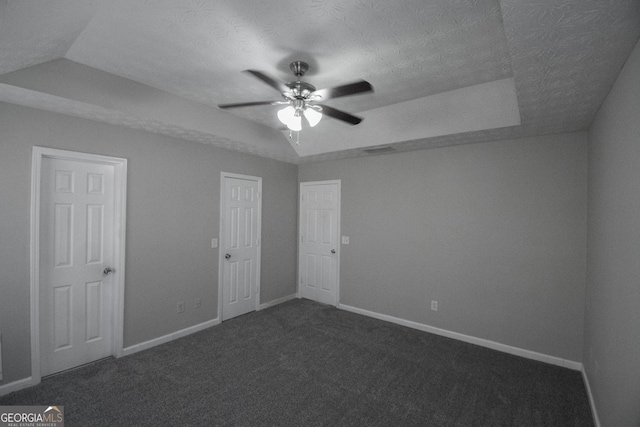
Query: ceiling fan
{"type": "Point", "coordinates": [303, 99]}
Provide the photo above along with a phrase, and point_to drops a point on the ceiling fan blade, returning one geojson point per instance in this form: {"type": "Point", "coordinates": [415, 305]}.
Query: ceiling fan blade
{"type": "Point", "coordinates": [247, 104]}
{"type": "Point", "coordinates": [340, 115]}
{"type": "Point", "coordinates": [279, 86]}
{"type": "Point", "coordinates": [344, 90]}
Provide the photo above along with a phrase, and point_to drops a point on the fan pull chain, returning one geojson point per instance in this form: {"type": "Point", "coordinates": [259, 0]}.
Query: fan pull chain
{"type": "Point", "coordinates": [297, 136]}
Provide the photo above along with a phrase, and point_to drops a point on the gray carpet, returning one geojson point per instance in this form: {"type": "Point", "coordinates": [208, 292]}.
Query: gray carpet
{"type": "Point", "coordinates": [304, 364]}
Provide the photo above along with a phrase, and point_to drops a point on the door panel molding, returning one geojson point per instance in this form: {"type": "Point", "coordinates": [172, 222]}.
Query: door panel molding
{"type": "Point", "coordinates": [120, 197]}
{"type": "Point", "coordinates": [222, 249]}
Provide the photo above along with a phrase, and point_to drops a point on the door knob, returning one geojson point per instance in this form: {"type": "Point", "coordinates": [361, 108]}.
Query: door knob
{"type": "Point", "coordinates": [107, 271]}
{"type": "Point", "coordinates": [227, 256]}
{"type": "Point", "coordinates": [333, 251]}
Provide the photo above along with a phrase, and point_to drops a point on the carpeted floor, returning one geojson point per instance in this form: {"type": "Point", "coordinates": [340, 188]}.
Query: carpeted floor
{"type": "Point", "coordinates": [305, 364]}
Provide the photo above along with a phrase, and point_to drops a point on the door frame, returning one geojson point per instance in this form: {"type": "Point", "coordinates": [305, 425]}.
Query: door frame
{"type": "Point", "coordinates": [337, 182]}
{"type": "Point", "coordinates": [120, 198]}
{"type": "Point", "coordinates": [221, 249]}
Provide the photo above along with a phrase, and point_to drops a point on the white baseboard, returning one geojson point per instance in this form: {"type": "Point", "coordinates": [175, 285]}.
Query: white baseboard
{"type": "Point", "coordinates": [467, 338]}
{"type": "Point", "coordinates": [277, 301]}
{"type": "Point", "coordinates": [17, 385]}
{"type": "Point", "coordinates": [28, 382]}
{"type": "Point", "coordinates": [169, 337]}
{"type": "Point", "coordinates": [190, 330]}
{"type": "Point", "coordinates": [592, 402]}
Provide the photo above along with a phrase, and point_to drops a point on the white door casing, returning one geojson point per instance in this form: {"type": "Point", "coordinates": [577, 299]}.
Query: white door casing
{"type": "Point", "coordinates": [319, 254]}
{"type": "Point", "coordinates": [78, 223]}
{"type": "Point", "coordinates": [240, 230]}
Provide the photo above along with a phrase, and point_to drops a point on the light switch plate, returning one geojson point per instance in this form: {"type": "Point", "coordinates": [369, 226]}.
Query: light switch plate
{"type": "Point", "coordinates": [214, 243]}
{"type": "Point", "coordinates": [345, 240]}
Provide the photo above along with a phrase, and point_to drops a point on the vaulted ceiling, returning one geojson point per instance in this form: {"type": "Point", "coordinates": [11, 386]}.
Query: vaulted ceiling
{"type": "Point", "coordinates": [444, 71]}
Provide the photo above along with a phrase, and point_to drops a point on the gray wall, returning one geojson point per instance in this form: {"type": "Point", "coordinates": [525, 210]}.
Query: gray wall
{"type": "Point", "coordinates": [144, 105]}
{"type": "Point", "coordinates": [612, 327]}
{"type": "Point", "coordinates": [495, 232]}
{"type": "Point", "coordinates": [172, 214]}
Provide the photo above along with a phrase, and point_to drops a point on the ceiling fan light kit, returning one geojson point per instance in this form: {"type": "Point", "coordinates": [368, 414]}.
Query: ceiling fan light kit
{"type": "Point", "coordinates": [290, 116]}
{"type": "Point", "coordinates": [312, 115]}
{"type": "Point", "coordinates": [302, 99]}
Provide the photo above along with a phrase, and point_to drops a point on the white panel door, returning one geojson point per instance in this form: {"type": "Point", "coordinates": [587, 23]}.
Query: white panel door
{"type": "Point", "coordinates": [319, 249]}
{"type": "Point", "coordinates": [76, 245]}
{"type": "Point", "coordinates": [240, 246]}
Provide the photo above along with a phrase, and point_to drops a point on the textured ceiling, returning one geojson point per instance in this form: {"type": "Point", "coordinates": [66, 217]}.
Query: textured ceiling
{"type": "Point", "coordinates": [562, 57]}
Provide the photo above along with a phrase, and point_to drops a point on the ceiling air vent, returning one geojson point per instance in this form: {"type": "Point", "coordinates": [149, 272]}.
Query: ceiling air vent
{"type": "Point", "coordinates": [379, 150]}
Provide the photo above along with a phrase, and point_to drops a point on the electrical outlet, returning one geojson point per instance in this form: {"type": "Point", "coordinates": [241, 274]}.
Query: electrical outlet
{"type": "Point", "coordinates": [197, 303]}
{"type": "Point", "coordinates": [434, 305]}
{"type": "Point", "coordinates": [180, 307]}
{"type": "Point", "coordinates": [345, 240]}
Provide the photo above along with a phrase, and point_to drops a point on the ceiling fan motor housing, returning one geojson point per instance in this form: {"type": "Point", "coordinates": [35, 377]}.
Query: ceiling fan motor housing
{"type": "Point", "coordinates": [301, 89]}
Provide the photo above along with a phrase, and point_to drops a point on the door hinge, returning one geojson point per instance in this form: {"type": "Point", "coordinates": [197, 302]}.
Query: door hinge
{"type": "Point", "coordinates": [302, 238]}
